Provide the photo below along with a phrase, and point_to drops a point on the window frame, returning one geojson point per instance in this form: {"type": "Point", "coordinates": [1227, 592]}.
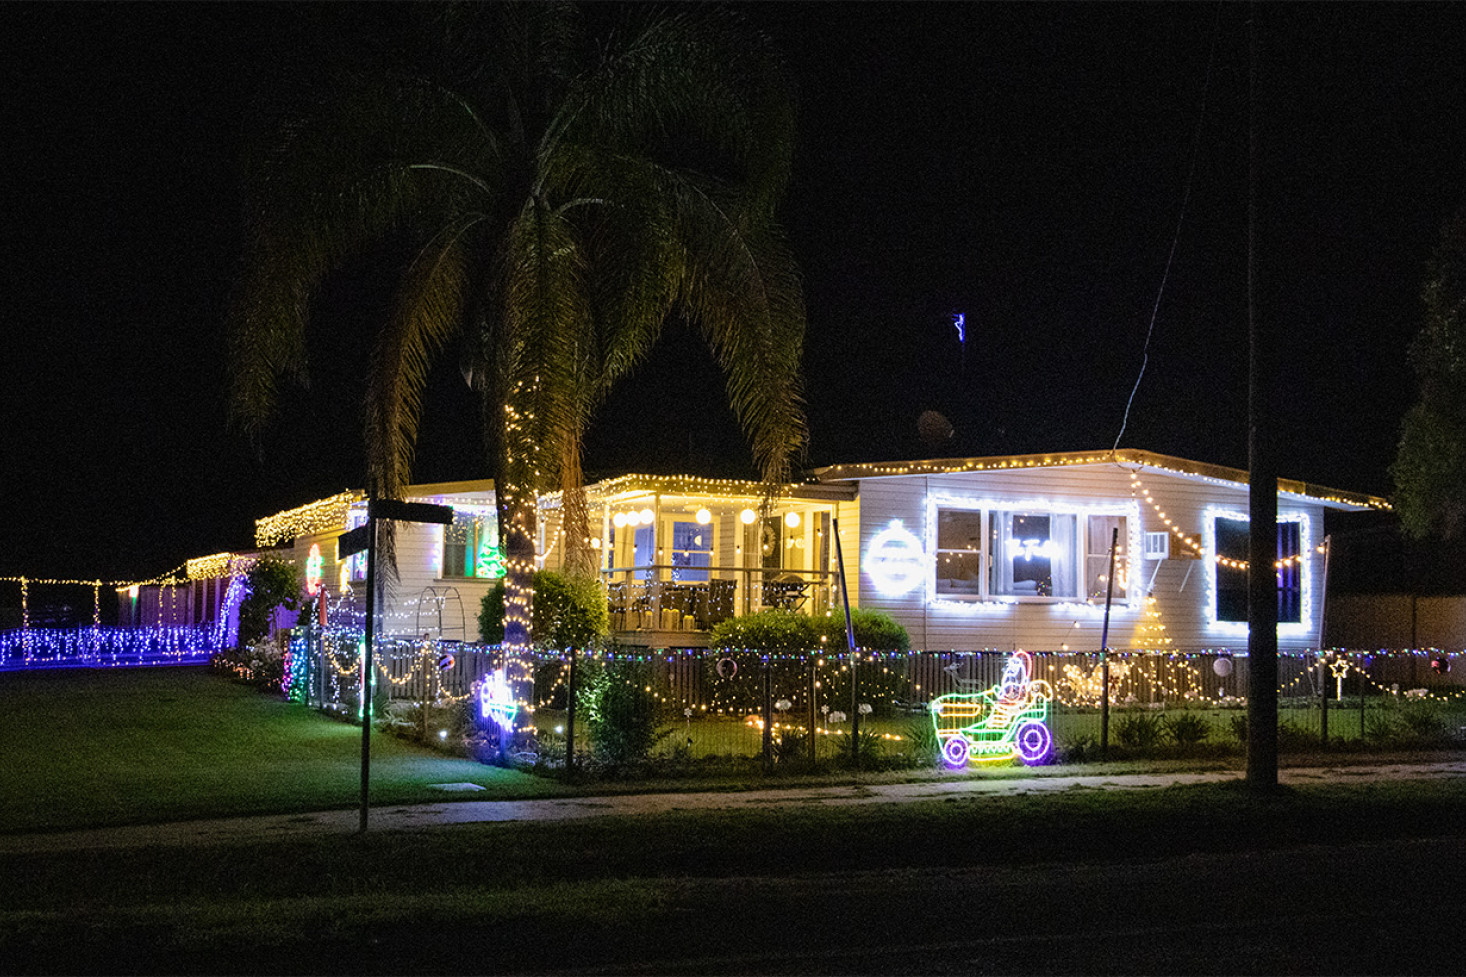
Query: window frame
{"type": "Point", "coordinates": [986, 508]}
{"type": "Point", "coordinates": [1302, 587]}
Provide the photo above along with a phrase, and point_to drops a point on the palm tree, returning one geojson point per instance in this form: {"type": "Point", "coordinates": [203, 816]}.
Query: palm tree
{"type": "Point", "coordinates": [563, 199]}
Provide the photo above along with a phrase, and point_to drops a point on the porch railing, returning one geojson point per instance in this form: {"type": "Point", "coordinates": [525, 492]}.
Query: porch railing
{"type": "Point", "coordinates": [660, 597]}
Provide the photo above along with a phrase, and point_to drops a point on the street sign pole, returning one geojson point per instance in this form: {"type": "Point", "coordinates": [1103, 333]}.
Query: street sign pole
{"type": "Point", "coordinates": [351, 543]}
{"type": "Point", "coordinates": [366, 671]}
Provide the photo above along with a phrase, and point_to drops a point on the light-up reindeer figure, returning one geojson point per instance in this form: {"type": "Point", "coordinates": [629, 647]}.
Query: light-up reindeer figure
{"type": "Point", "coordinates": [999, 723]}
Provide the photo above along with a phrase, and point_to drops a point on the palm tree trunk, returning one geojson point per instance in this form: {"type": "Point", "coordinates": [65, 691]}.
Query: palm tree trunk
{"type": "Point", "coordinates": [580, 558]}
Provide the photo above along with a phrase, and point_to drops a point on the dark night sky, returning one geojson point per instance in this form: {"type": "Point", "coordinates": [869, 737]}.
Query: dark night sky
{"type": "Point", "coordinates": [1023, 164]}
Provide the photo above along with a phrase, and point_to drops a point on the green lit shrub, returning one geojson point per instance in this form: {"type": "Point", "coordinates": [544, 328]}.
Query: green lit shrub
{"type": "Point", "coordinates": [621, 714]}
{"type": "Point", "coordinates": [568, 612]}
{"type": "Point", "coordinates": [272, 582]}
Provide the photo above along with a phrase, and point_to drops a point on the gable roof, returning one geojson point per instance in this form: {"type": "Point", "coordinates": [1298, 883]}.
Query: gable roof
{"type": "Point", "coordinates": [1125, 457]}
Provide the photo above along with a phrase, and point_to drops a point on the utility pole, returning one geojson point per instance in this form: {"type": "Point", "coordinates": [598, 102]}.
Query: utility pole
{"type": "Point", "coordinates": [1262, 550]}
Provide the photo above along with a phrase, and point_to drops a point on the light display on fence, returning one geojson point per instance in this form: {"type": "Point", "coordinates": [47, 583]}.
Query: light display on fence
{"type": "Point", "coordinates": [999, 723]}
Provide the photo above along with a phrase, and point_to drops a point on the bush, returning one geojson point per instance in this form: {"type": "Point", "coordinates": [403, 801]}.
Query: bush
{"type": "Point", "coordinates": [780, 630]}
{"type": "Point", "coordinates": [874, 631]}
{"type": "Point", "coordinates": [866, 752]}
{"type": "Point", "coordinates": [568, 612]}
{"type": "Point", "coordinates": [1139, 730]}
{"type": "Point", "coordinates": [772, 630]}
{"type": "Point", "coordinates": [272, 582]}
{"type": "Point", "coordinates": [621, 714]}
{"type": "Point", "coordinates": [924, 746]}
{"type": "Point", "coordinates": [1187, 728]}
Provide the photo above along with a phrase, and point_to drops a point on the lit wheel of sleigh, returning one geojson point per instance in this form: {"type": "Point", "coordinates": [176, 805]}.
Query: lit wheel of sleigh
{"type": "Point", "coordinates": [1006, 721]}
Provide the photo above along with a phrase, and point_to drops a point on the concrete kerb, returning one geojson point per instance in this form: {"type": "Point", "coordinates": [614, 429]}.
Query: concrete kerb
{"type": "Point", "coordinates": [417, 817]}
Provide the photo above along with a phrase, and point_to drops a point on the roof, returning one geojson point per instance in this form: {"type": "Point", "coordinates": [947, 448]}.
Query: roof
{"type": "Point", "coordinates": [626, 487]}
{"type": "Point", "coordinates": [1127, 458]}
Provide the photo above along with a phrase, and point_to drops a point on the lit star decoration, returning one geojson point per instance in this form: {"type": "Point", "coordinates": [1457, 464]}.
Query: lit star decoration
{"type": "Point", "coordinates": [496, 699]}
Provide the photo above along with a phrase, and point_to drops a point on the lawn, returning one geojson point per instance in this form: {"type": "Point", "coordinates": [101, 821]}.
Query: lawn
{"type": "Point", "coordinates": [525, 897]}
{"type": "Point", "coordinates": [99, 747]}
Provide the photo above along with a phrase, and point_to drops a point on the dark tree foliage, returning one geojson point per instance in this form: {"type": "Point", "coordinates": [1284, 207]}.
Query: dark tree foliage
{"type": "Point", "coordinates": [272, 583]}
{"type": "Point", "coordinates": [1430, 468]}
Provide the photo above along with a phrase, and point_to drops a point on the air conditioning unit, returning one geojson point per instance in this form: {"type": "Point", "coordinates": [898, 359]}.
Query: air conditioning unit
{"type": "Point", "coordinates": [1157, 546]}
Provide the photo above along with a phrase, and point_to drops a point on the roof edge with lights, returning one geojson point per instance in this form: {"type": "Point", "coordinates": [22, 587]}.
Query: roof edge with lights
{"type": "Point", "coordinates": [1123, 457]}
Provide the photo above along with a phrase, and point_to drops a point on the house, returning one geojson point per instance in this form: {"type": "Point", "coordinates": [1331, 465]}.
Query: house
{"type": "Point", "coordinates": [967, 554]}
{"type": "Point", "coordinates": [1014, 552]}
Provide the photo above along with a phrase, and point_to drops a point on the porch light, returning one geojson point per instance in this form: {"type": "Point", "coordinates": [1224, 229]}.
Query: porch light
{"type": "Point", "coordinates": [647, 517]}
{"type": "Point", "coordinates": [747, 516]}
{"type": "Point", "coordinates": [791, 519]}
{"type": "Point", "coordinates": [619, 520]}
{"type": "Point", "coordinates": [704, 517]}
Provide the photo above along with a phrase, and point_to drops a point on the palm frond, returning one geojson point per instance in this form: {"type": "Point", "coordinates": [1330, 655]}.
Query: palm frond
{"type": "Point", "coordinates": [428, 312]}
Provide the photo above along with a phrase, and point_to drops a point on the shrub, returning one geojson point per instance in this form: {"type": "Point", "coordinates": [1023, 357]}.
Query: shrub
{"type": "Point", "coordinates": [621, 714]}
{"type": "Point", "coordinates": [568, 612]}
{"type": "Point", "coordinates": [1139, 730]}
{"type": "Point", "coordinates": [772, 630]}
{"type": "Point", "coordinates": [874, 631]}
{"type": "Point", "coordinates": [924, 746]}
{"type": "Point", "coordinates": [1187, 728]}
{"type": "Point", "coordinates": [272, 582]}
{"type": "Point", "coordinates": [1424, 722]}
{"type": "Point", "coordinates": [865, 751]}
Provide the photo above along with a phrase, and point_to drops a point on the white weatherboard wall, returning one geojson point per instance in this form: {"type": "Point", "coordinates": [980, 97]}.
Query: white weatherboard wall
{"type": "Point", "coordinates": [1181, 584]}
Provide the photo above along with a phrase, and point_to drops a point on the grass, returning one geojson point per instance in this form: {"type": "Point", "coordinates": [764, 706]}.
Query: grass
{"type": "Point", "coordinates": [310, 905]}
{"type": "Point", "coordinates": [82, 748]}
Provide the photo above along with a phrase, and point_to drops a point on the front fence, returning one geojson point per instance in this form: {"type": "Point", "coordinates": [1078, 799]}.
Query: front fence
{"type": "Point", "coordinates": [711, 703]}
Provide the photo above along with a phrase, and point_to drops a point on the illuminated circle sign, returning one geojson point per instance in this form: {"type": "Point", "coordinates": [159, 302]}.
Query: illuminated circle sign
{"type": "Point", "coordinates": [313, 566]}
{"type": "Point", "coordinates": [894, 560]}
{"type": "Point", "coordinates": [496, 700]}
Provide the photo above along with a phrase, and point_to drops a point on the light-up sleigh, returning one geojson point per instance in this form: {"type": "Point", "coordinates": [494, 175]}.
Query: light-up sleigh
{"type": "Point", "coordinates": [1007, 720]}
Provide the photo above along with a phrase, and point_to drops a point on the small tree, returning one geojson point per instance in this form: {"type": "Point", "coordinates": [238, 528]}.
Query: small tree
{"type": "Point", "coordinates": [1430, 466]}
{"type": "Point", "coordinates": [270, 583]}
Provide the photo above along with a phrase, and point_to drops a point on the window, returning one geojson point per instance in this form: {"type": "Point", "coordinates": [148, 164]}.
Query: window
{"type": "Point", "coordinates": [642, 556]}
{"type": "Point", "coordinates": [1101, 530]}
{"type": "Point", "coordinates": [471, 547]}
{"type": "Point", "coordinates": [692, 551]}
{"type": "Point", "coordinates": [1232, 537]}
{"type": "Point", "coordinates": [1033, 554]}
{"type": "Point", "coordinates": [982, 552]}
{"type": "Point", "coordinates": [959, 552]}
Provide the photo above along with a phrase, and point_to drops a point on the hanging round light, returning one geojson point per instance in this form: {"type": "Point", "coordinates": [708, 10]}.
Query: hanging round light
{"type": "Point", "coordinates": [704, 517]}
{"type": "Point", "coordinates": [748, 516]}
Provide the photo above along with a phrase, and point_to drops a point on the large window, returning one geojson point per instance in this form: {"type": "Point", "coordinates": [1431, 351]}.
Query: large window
{"type": "Point", "coordinates": [1232, 549]}
{"type": "Point", "coordinates": [471, 547]}
{"type": "Point", "coordinates": [996, 553]}
{"type": "Point", "coordinates": [1033, 554]}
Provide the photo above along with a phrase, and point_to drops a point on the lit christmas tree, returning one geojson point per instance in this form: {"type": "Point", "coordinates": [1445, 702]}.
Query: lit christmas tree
{"type": "Point", "coordinates": [1150, 633]}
